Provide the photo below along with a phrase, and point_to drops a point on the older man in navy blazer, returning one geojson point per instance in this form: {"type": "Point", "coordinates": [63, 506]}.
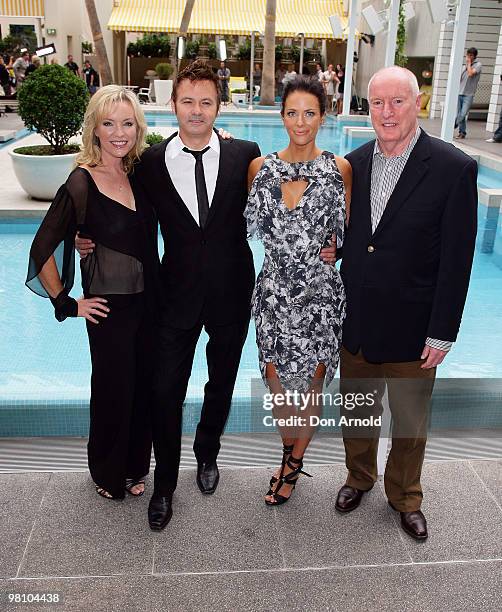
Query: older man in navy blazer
{"type": "Point", "coordinates": [406, 265]}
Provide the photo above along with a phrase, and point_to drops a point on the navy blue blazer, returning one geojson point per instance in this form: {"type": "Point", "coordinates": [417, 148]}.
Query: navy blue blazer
{"type": "Point", "coordinates": [409, 280]}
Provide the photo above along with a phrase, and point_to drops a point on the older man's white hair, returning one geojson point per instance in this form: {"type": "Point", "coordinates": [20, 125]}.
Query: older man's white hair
{"type": "Point", "coordinates": [398, 71]}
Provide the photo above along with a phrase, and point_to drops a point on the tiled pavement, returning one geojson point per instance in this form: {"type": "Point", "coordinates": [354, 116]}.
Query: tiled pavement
{"type": "Point", "coordinates": [231, 552]}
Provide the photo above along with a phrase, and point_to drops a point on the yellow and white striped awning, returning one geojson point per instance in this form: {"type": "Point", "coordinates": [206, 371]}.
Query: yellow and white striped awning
{"type": "Point", "coordinates": [227, 16]}
{"type": "Point", "coordinates": [21, 8]}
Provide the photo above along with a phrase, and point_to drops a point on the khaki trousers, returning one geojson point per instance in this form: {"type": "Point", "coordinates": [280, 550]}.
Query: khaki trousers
{"type": "Point", "coordinates": [409, 392]}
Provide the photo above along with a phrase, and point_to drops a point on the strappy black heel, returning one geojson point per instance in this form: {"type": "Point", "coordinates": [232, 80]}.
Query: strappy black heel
{"type": "Point", "coordinates": [131, 483]}
{"type": "Point", "coordinates": [103, 492]}
{"type": "Point", "coordinates": [287, 449]}
{"type": "Point", "coordinates": [291, 479]}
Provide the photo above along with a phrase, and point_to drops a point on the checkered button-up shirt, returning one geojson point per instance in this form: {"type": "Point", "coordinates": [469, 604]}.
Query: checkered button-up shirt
{"type": "Point", "coordinates": [385, 174]}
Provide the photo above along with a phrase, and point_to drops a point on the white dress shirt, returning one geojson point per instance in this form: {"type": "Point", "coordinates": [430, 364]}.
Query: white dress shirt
{"type": "Point", "coordinates": [181, 168]}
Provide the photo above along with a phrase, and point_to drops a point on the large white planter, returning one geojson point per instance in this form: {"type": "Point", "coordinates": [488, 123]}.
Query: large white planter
{"type": "Point", "coordinates": [240, 99]}
{"type": "Point", "coordinates": [163, 91]}
{"type": "Point", "coordinates": [42, 175]}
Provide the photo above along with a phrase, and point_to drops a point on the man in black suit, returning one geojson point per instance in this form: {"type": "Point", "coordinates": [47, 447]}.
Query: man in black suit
{"type": "Point", "coordinates": [196, 183]}
{"type": "Point", "coordinates": [406, 265]}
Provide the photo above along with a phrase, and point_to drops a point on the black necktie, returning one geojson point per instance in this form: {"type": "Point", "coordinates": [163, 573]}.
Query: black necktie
{"type": "Point", "coordinates": [200, 185]}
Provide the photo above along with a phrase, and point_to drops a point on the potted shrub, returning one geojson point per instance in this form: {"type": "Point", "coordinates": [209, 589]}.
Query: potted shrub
{"type": "Point", "coordinates": [192, 49]}
{"type": "Point", "coordinates": [163, 86]}
{"type": "Point", "coordinates": [239, 97]}
{"type": "Point", "coordinates": [203, 48]}
{"type": "Point", "coordinates": [52, 102]}
{"type": "Point", "coordinates": [212, 51]}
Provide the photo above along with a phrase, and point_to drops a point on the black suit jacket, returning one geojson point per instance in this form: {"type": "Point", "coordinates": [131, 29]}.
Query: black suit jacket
{"type": "Point", "coordinates": [207, 273]}
{"type": "Point", "coordinates": [408, 281]}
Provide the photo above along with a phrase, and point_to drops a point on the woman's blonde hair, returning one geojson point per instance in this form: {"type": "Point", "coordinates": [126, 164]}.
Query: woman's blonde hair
{"type": "Point", "coordinates": [98, 107]}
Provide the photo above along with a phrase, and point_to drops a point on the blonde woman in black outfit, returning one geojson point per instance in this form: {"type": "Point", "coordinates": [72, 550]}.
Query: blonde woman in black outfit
{"type": "Point", "coordinates": [118, 279]}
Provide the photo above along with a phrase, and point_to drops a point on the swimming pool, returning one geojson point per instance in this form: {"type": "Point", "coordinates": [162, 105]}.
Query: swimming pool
{"type": "Point", "coordinates": [45, 365]}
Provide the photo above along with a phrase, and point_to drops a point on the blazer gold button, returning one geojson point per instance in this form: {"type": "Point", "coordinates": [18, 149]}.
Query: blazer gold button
{"type": "Point", "coordinates": [371, 249]}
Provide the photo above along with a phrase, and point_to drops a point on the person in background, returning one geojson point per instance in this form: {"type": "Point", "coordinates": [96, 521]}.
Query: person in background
{"type": "Point", "coordinates": [119, 281]}
{"type": "Point", "coordinates": [73, 66]}
{"type": "Point", "coordinates": [331, 80]}
{"type": "Point", "coordinates": [319, 72]}
{"type": "Point", "coordinates": [4, 78]}
{"type": "Point", "coordinates": [497, 136]}
{"type": "Point", "coordinates": [290, 75]}
{"type": "Point", "coordinates": [54, 61]}
{"type": "Point", "coordinates": [91, 77]}
{"type": "Point", "coordinates": [34, 64]}
{"type": "Point", "coordinates": [280, 73]}
{"type": "Point", "coordinates": [257, 75]}
{"type": "Point", "coordinates": [19, 68]}
{"type": "Point", "coordinates": [340, 73]}
{"type": "Point", "coordinates": [224, 80]}
{"type": "Point", "coordinates": [469, 79]}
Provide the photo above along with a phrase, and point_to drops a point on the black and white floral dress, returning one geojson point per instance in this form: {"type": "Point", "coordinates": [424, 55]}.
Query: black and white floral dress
{"type": "Point", "coordinates": [299, 301]}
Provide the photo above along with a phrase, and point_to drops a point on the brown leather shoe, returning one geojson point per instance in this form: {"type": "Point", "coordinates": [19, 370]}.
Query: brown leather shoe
{"type": "Point", "coordinates": [414, 523]}
{"type": "Point", "coordinates": [348, 498]}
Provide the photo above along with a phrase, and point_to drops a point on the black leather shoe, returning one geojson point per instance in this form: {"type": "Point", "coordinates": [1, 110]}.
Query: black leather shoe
{"type": "Point", "coordinates": [348, 498]}
{"type": "Point", "coordinates": [414, 523]}
{"type": "Point", "coordinates": [160, 511]}
{"type": "Point", "coordinates": [208, 477]}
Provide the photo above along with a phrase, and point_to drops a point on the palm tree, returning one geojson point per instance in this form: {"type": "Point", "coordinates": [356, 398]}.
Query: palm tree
{"type": "Point", "coordinates": [267, 93]}
{"type": "Point", "coordinates": [185, 22]}
{"type": "Point", "coordinates": [99, 43]}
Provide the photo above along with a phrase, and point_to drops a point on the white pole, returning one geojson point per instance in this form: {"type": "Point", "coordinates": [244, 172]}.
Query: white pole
{"type": "Point", "coordinates": [302, 51]}
{"type": "Point", "coordinates": [251, 82]}
{"type": "Point", "coordinates": [349, 58]}
{"type": "Point", "coordinates": [455, 69]}
{"type": "Point", "coordinates": [390, 52]}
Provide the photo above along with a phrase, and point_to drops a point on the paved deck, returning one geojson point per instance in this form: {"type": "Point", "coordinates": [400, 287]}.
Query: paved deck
{"type": "Point", "coordinates": [231, 552]}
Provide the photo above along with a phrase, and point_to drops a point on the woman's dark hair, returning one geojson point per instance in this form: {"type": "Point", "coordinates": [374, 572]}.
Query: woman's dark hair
{"type": "Point", "coordinates": [308, 84]}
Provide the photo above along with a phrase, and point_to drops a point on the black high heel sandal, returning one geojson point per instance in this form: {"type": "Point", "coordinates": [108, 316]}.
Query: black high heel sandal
{"type": "Point", "coordinates": [287, 449]}
{"type": "Point", "coordinates": [131, 483]}
{"type": "Point", "coordinates": [291, 479]}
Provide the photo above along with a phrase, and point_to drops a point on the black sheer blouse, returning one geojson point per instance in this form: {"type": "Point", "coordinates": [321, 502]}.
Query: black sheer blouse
{"type": "Point", "coordinates": [125, 259]}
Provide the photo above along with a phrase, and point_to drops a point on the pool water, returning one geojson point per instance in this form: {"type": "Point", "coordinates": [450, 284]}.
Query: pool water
{"type": "Point", "coordinates": [43, 360]}
{"type": "Point", "coordinates": [266, 130]}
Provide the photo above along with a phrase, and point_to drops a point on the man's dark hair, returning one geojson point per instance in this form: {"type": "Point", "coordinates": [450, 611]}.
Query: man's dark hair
{"type": "Point", "coordinates": [198, 70]}
{"type": "Point", "coordinates": [472, 51]}
{"type": "Point", "coordinates": [308, 84]}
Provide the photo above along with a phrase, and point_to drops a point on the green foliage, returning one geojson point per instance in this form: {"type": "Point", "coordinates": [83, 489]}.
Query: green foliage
{"type": "Point", "coordinates": [153, 138]}
{"type": "Point", "coordinates": [400, 59]}
{"type": "Point", "coordinates": [86, 47]}
{"type": "Point", "coordinates": [211, 50]}
{"type": "Point", "coordinates": [52, 102]}
{"type": "Point", "coordinates": [240, 91]}
{"type": "Point", "coordinates": [11, 45]}
{"type": "Point", "coordinates": [150, 45]}
{"type": "Point", "coordinates": [279, 50]}
{"type": "Point", "coordinates": [46, 150]}
{"type": "Point", "coordinates": [295, 53]}
{"type": "Point", "coordinates": [244, 52]}
{"type": "Point", "coordinates": [163, 70]}
{"type": "Point", "coordinates": [192, 49]}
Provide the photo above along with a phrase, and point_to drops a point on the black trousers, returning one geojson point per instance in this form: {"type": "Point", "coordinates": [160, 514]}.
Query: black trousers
{"type": "Point", "coordinates": [176, 350]}
{"type": "Point", "coordinates": [122, 355]}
